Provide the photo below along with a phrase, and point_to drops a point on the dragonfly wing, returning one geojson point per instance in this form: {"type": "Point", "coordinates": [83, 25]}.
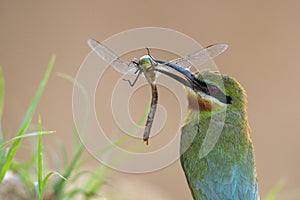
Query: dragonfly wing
{"type": "Point", "coordinates": [111, 58]}
{"type": "Point", "coordinates": [216, 49]}
{"type": "Point", "coordinates": [182, 62]}
{"type": "Point", "coordinates": [201, 56]}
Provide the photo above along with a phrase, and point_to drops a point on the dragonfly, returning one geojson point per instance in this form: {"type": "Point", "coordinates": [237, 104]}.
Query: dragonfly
{"type": "Point", "coordinates": [151, 68]}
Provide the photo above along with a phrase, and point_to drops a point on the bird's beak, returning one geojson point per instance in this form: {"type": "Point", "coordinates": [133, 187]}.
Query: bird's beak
{"type": "Point", "coordinates": [196, 101]}
{"type": "Point", "coordinates": [190, 80]}
{"type": "Point", "coordinates": [181, 80]}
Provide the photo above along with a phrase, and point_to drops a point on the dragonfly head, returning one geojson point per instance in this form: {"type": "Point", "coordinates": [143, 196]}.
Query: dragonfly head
{"type": "Point", "coordinates": [147, 61]}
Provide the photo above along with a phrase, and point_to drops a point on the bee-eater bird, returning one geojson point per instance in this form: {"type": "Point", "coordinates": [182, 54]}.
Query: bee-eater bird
{"type": "Point", "coordinates": [227, 171]}
{"type": "Point", "coordinates": [216, 152]}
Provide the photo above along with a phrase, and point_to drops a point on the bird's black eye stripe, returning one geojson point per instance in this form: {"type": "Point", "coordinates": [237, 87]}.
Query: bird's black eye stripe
{"type": "Point", "coordinates": [228, 100]}
{"type": "Point", "coordinates": [214, 91]}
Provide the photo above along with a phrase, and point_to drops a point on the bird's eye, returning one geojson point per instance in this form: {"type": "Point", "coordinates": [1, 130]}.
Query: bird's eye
{"type": "Point", "coordinates": [213, 89]}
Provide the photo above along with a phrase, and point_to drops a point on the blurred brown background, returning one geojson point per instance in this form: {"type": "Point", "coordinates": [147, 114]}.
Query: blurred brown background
{"type": "Point", "coordinates": [263, 56]}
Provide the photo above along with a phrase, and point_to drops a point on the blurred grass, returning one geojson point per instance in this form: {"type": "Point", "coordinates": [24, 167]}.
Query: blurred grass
{"type": "Point", "coordinates": [10, 154]}
{"type": "Point", "coordinates": [272, 195]}
{"type": "Point", "coordinates": [36, 185]}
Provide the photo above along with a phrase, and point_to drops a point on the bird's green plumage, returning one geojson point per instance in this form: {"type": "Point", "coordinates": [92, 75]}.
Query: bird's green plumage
{"type": "Point", "coordinates": [227, 171]}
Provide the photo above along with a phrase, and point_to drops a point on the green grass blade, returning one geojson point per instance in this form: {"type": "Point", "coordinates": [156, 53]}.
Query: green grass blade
{"type": "Point", "coordinates": [78, 175]}
{"type": "Point", "coordinates": [44, 183]}
{"type": "Point", "coordinates": [25, 136]}
{"type": "Point", "coordinates": [76, 191]}
{"type": "Point", "coordinates": [24, 172]}
{"type": "Point", "coordinates": [41, 186]}
{"type": "Point", "coordinates": [63, 150]}
{"type": "Point", "coordinates": [75, 82]}
{"type": "Point", "coordinates": [40, 161]}
{"type": "Point", "coordinates": [39, 92]}
{"type": "Point", "coordinates": [275, 190]}
{"type": "Point", "coordinates": [11, 153]}
{"type": "Point", "coordinates": [3, 156]}
{"type": "Point", "coordinates": [85, 94]}
{"type": "Point", "coordinates": [59, 185]}
{"type": "Point", "coordinates": [27, 120]}
{"type": "Point", "coordinates": [96, 181]}
{"type": "Point", "coordinates": [1, 102]}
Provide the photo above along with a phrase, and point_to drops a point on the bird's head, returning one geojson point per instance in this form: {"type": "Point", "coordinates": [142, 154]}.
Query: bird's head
{"type": "Point", "coordinates": [211, 91]}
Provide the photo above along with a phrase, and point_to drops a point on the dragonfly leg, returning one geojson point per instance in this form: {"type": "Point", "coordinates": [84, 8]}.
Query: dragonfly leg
{"type": "Point", "coordinates": [136, 64]}
{"type": "Point", "coordinates": [133, 83]}
{"type": "Point", "coordinates": [136, 70]}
